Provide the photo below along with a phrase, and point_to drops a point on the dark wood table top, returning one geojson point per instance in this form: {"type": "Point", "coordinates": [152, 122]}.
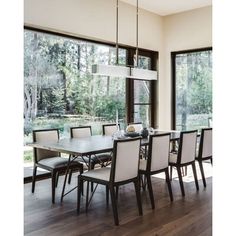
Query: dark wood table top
{"type": "Point", "coordinates": [87, 146]}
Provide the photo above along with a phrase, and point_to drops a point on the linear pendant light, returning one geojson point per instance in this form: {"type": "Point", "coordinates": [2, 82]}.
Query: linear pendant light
{"type": "Point", "coordinates": [124, 71]}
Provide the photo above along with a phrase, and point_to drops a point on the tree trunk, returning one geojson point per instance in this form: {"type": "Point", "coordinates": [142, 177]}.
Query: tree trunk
{"type": "Point", "coordinates": [34, 77]}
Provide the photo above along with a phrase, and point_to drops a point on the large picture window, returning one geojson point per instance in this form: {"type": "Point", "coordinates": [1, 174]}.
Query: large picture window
{"type": "Point", "coordinates": [192, 89]}
{"type": "Point", "coordinates": [60, 90]}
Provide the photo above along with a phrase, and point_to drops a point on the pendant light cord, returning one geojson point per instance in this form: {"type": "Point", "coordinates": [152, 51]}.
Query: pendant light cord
{"type": "Point", "coordinates": [136, 53]}
{"type": "Point", "coordinates": [117, 49]}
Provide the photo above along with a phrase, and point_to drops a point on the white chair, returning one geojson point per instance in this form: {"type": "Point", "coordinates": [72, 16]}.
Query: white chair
{"type": "Point", "coordinates": [80, 131]}
{"type": "Point", "coordinates": [205, 150]}
{"type": "Point", "coordinates": [50, 160]}
{"type": "Point", "coordinates": [157, 162]}
{"type": "Point", "coordinates": [185, 156]}
{"type": "Point", "coordinates": [109, 129]}
{"type": "Point", "coordinates": [119, 173]}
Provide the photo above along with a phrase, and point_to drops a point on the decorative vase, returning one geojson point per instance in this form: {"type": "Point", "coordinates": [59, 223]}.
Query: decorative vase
{"type": "Point", "coordinates": [144, 132]}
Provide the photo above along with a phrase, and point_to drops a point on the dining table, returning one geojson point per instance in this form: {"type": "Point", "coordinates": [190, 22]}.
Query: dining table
{"type": "Point", "coordinates": [90, 147]}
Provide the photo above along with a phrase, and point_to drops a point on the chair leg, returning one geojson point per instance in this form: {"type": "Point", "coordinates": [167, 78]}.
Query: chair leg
{"type": "Point", "coordinates": [92, 168]}
{"type": "Point", "coordinates": [87, 196]}
{"type": "Point", "coordinates": [117, 192]}
{"type": "Point", "coordinates": [149, 184]}
{"type": "Point", "coordinates": [184, 171]}
{"type": "Point", "coordinates": [138, 197]}
{"type": "Point", "coordinates": [53, 185]}
{"type": "Point", "coordinates": [81, 172]}
{"type": "Point", "coordinates": [142, 181]}
{"type": "Point", "coordinates": [169, 184]}
{"type": "Point", "coordinates": [202, 173]}
{"type": "Point", "coordinates": [34, 179]}
{"type": "Point", "coordinates": [171, 170]}
{"type": "Point", "coordinates": [181, 180]}
{"type": "Point", "coordinates": [114, 205]}
{"type": "Point", "coordinates": [107, 195]}
{"type": "Point", "coordinates": [79, 191]}
{"type": "Point", "coordinates": [195, 175]}
{"type": "Point", "coordinates": [70, 176]}
{"type": "Point", "coordinates": [57, 178]}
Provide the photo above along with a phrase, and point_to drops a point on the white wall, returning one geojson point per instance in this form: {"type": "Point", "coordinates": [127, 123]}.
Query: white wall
{"type": "Point", "coordinates": [187, 30]}
{"type": "Point", "coordinates": [95, 19]}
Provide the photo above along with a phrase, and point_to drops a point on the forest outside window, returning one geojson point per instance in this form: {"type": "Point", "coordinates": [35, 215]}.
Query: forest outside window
{"type": "Point", "coordinates": [192, 87]}
{"type": "Point", "coordinates": [60, 90]}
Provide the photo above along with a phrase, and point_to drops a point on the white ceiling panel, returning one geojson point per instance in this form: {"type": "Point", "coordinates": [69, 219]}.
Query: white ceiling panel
{"type": "Point", "coordinates": [168, 7]}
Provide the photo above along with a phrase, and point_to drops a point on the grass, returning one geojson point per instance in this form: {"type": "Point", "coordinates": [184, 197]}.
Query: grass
{"type": "Point", "coordinates": [28, 156]}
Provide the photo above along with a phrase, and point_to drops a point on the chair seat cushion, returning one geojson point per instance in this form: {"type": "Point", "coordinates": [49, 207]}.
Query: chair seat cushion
{"type": "Point", "coordinates": [56, 162]}
{"type": "Point", "coordinates": [173, 158]}
{"type": "Point", "coordinates": [101, 174]}
{"type": "Point", "coordinates": [143, 164]}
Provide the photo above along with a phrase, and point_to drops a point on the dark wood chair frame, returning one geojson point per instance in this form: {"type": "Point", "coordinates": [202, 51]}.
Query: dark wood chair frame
{"type": "Point", "coordinates": [111, 184]}
{"type": "Point", "coordinates": [55, 172]}
{"type": "Point", "coordinates": [199, 158]}
{"type": "Point", "coordinates": [80, 127]}
{"type": "Point", "coordinates": [105, 125]}
{"type": "Point", "coordinates": [148, 173]}
{"type": "Point", "coordinates": [178, 164]}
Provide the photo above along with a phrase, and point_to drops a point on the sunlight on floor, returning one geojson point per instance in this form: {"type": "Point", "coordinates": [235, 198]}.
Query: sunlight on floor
{"type": "Point", "coordinates": [189, 177]}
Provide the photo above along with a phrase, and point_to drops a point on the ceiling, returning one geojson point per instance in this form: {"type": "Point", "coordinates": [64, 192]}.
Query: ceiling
{"type": "Point", "coordinates": [167, 7]}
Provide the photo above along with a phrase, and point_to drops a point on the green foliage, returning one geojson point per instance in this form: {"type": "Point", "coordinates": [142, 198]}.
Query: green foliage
{"type": "Point", "coordinates": [28, 156]}
{"type": "Point", "coordinates": [193, 87]}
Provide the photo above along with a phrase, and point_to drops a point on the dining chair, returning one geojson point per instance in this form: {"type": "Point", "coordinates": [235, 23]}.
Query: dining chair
{"type": "Point", "coordinates": [157, 162]}
{"type": "Point", "coordinates": [101, 158]}
{"type": "Point", "coordinates": [138, 126]}
{"type": "Point", "coordinates": [120, 173]}
{"type": "Point", "coordinates": [81, 131]}
{"type": "Point", "coordinates": [109, 129]}
{"type": "Point", "coordinates": [205, 150]}
{"type": "Point", "coordinates": [185, 156]}
{"type": "Point", "coordinates": [50, 160]}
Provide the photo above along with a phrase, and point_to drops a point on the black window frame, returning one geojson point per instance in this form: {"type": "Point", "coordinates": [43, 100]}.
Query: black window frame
{"type": "Point", "coordinates": [129, 82]}
{"type": "Point", "coordinates": [173, 80]}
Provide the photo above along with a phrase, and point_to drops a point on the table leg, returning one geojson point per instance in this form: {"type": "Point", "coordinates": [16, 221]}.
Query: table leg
{"type": "Point", "coordinates": [64, 184]}
{"type": "Point", "coordinates": [66, 174]}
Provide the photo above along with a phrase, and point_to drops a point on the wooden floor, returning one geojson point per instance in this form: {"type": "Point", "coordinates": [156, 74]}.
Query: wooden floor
{"type": "Point", "coordinates": [191, 215]}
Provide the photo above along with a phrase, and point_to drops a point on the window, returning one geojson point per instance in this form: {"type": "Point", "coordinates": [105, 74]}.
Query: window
{"type": "Point", "coordinates": [192, 87]}
{"type": "Point", "coordinates": [60, 91]}
{"type": "Point", "coordinates": [143, 93]}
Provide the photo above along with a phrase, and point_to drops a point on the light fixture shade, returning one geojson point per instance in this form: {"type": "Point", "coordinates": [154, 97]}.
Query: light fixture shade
{"type": "Point", "coordinates": [143, 74]}
{"type": "Point", "coordinates": [111, 70]}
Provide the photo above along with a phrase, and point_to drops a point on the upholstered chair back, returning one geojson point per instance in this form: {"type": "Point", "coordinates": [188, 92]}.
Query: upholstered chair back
{"type": "Point", "coordinates": [159, 151]}
{"type": "Point", "coordinates": [188, 141]}
{"type": "Point", "coordinates": [205, 149]}
{"type": "Point", "coordinates": [80, 132]}
{"type": "Point", "coordinates": [49, 135]}
{"type": "Point", "coordinates": [109, 129]}
{"type": "Point", "coordinates": [125, 163]}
